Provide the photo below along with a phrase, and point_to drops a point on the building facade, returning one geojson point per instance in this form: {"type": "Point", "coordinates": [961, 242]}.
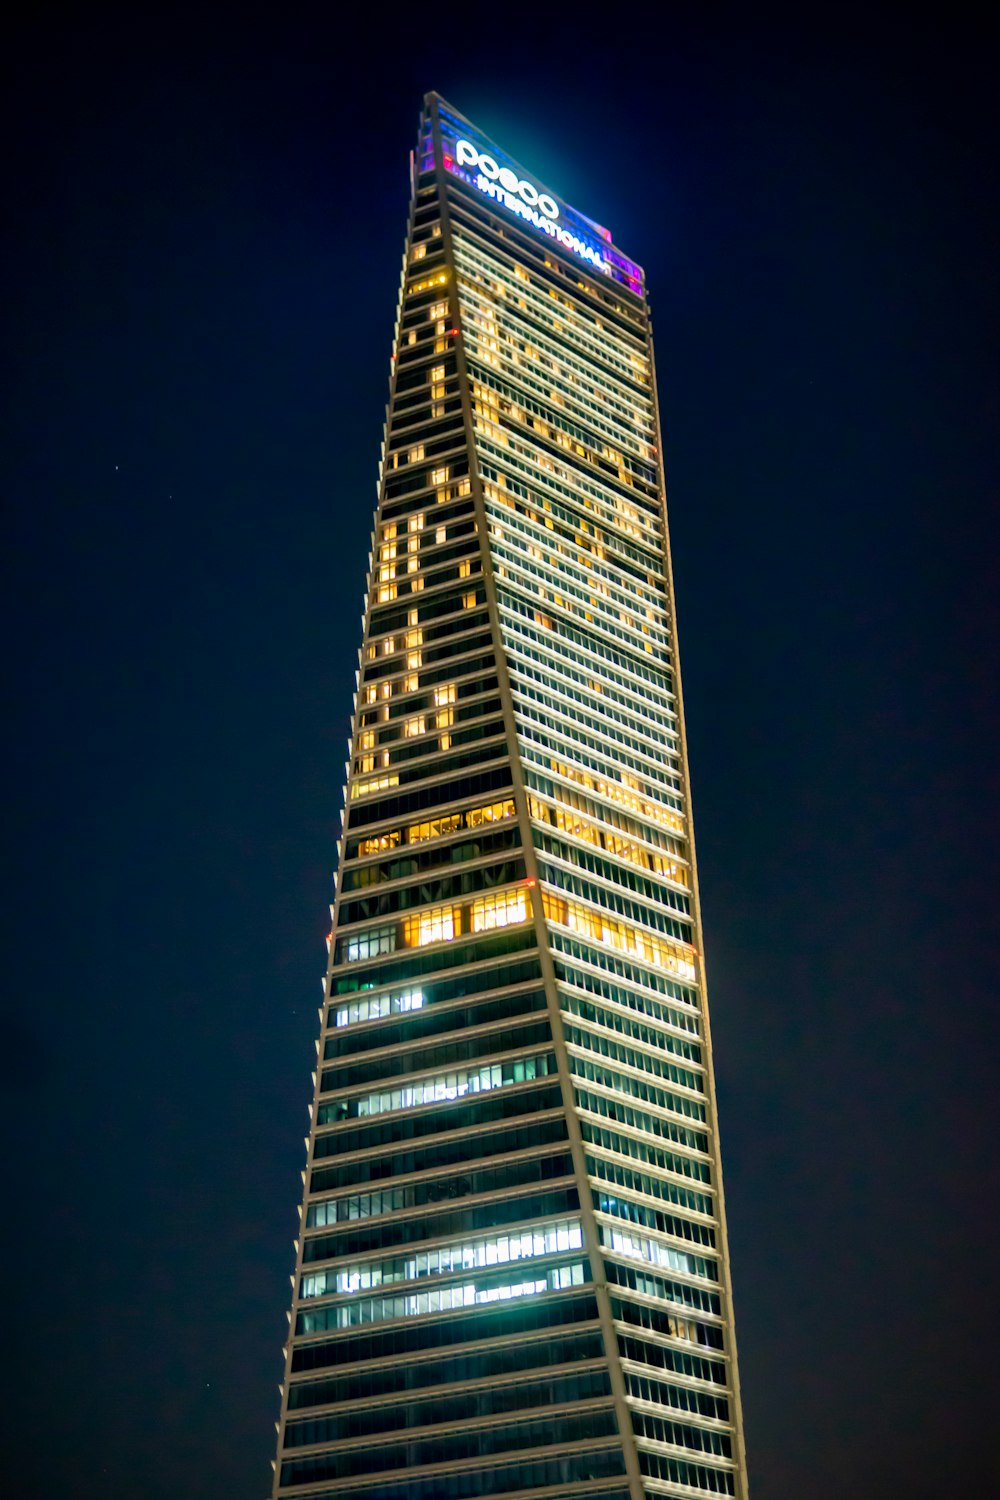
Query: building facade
{"type": "Point", "coordinates": [512, 1274]}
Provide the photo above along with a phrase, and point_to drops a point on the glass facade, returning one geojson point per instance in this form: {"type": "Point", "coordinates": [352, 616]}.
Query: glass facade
{"type": "Point", "coordinates": [512, 1272]}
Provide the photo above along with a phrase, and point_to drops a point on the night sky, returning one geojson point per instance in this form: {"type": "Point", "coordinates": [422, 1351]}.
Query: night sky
{"type": "Point", "coordinates": [207, 219]}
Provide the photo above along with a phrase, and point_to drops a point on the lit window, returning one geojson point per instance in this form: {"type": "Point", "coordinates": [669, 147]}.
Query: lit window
{"type": "Point", "coordinates": [495, 812]}
{"type": "Point", "coordinates": [416, 725]}
{"type": "Point", "coordinates": [577, 827]}
{"type": "Point", "coordinates": [438, 924]}
{"type": "Point", "coordinates": [448, 1086]}
{"type": "Point", "coordinates": [437, 393]}
{"type": "Point", "coordinates": [445, 1260]}
{"type": "Point", "coordinates": [374, 1008]}
{"type": "Point", "coordinates": [600, 927]}
{"type": "Point", "coordinates": [371, 943]}
{"type": "Point", "coordinates": [434, 828]}
{"type": "Point", "coordinates": [376, 784]}
{"type": "Point", "coordinates": [499, 909]}
{"type": "Point", "coordinates": [379, 843]}
{"type": "Point", "coordinates": [444, 697]}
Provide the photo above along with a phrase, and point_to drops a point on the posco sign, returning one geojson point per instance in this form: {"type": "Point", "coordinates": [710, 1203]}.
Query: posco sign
{"type": "Point", "coordinates": [521, 197]}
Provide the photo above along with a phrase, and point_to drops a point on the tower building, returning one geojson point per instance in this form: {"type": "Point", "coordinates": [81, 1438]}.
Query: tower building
{"type": "Point", "coordinates": [512, 1273]}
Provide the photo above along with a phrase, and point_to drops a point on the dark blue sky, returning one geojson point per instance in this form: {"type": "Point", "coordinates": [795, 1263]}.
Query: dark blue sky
{"type": "Point", "coordinates": [208, 217]}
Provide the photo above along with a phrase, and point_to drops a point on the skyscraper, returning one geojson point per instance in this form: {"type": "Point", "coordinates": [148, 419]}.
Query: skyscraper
{"type": "Point", "coordinates": [512, 1271]}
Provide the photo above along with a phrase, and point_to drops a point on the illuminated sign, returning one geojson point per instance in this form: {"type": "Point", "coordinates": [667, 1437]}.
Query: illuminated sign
{"type": "Point", "coordinates": [521, 197]}
{"type": "Point", "coordinates": [468, 156]}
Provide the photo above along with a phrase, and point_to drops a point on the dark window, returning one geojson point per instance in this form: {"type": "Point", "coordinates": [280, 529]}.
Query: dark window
{"type": "Point", "coordinates": [496, 1322]}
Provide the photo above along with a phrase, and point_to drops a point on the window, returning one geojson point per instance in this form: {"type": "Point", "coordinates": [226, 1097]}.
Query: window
{"type": "Point", "coordinates": [577, 827]}
{"type": "Point", "coordinates": [494, 1250]}
{"type": "Point", "coordinates": [657, 1254]}
{"type": "Point", "coordinates": [436, 925]}
{"type": "Point", "coordinates": [437, 391]}
{"type": "Point", "coordinates": [444, 696]}
{"type": "Point", "coordinates": [379, 844]}
{"type": "Point", "coordinates": [494, 812]}
{"type": "Point", "coordinates": [371, 943]}
{"type": "Point", "coordinates": [376, 784]}
{"type": "Point", "coordinates": [380, 1005]}
{"type": "Point", "coordinates": [445, 1087]}
{"type": "Point", "coordinates": [499, 910]}
{"type": "Point", "coordinates": [601, 927]}
{"type": "Point", "coordinates": [433, 829]}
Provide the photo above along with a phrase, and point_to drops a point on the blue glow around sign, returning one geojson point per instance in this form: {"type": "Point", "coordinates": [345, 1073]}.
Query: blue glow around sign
{"type": "Point", "coordinates": [521, 197]}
